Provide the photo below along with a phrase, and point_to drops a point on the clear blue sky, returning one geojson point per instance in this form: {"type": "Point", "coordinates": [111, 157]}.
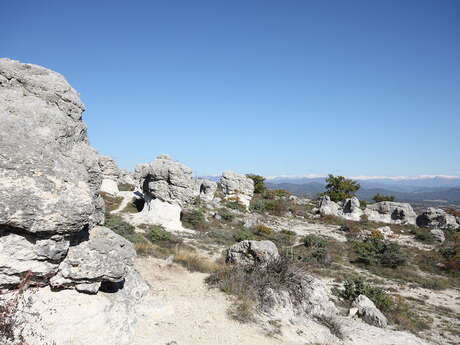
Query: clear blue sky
{"type": "Point", "coordinates": [272, 87]}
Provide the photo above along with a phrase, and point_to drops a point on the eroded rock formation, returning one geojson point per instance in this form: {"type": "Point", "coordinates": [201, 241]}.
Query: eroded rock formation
{"type": "Point", "coordinates": [49, 185]}
{"type": "Point", "coordinates": [237, 187]}
{"type": "Point", "coordinates": [437, 218]}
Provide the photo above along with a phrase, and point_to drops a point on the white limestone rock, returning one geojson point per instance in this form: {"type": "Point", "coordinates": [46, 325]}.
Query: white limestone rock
{"type": "Point", "coordinates": [391, 212]}
{"type": "Point", "coordinates": [369, 312]}
{"type": "Point", "coordinates": [237, 187]}
{"type": "Point", "coordinates": [250, 252]}
{"type": "Point", "coordinates": [437, 218]}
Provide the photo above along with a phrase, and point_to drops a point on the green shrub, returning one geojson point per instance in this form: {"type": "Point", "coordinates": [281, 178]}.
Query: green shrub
{"type": "Point", "coordinates": [352, 288]}
{"type": "Point", "coordinates": [193, 219]}
{"type": "Point", "coordinates": [339, 188]}
{"type": "Point", "coordinates": [259, 183]}
{"type": "Point", "coordinates": [235, 205]}
{"type": "Point", "coordinates": [423, 235]}
{"type": "Point", "coordinates": [157, 233]}
{"type": "Point", "coordinates": [243, 235]}
{"type": "Point", "coordinates": [379, 197]}
{"type": "Point", "coordinates": [226, 215]}
{"type": "Point", "coordinates": [314, 241]}
{"type": "Point", "coordinates": [375, 251]}
{"type": "Point", "coordinates": [122, 228]}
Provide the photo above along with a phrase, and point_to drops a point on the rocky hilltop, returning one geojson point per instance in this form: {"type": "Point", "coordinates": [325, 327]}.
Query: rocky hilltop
{"type": "Point", "coordinates": [92, 254]}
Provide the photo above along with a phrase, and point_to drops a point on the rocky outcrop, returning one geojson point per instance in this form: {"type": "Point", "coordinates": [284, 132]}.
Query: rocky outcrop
{"type": "Point", "coordinates": [348, 209]}
{"type": "Point", "coordinates": [385, 231]}
{"type": "Point", "coordinates": [252, 252]}
{"type": "Point", "coordinates": [391, 212]}
{"type": "Point", "coordinates": [438, 235]}
{"type": "Point", "coordinates": [237, 187]}
{"type": "Point", "coordinates": [168, 186]}
{"type": "Point", "coordinates": [110, 175]}
{"type": "Point", "coordinates": [369, 312]}
{"type": "Point", "coordinates": [437, 218]}
{"type": "Point", "coordinates": [49, 186]}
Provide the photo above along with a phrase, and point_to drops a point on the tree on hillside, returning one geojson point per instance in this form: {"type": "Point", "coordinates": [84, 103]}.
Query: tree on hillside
{"type": "Point", "coordinates": [380, 197]}
{"type": "Point", "coordinates": [259, 183]}
{"type": "Point", "coordinates": [339, 188]}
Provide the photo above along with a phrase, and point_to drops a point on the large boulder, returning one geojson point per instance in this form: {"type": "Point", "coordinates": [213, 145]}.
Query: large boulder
{"type": "Point", "coordinates": [252, 252]}
{"type": "Point", "coordinates": [49, 182]}
{"type": "Point", "coordinates": [391, 212]}
{"type": "Point", "coordinates": [168, 186]}
{"type": "Point", "coordinates": [437, 218]}
{"type": "Point", "coordinates": [237, 187]}
{"type": "Point", "coordinates": [369, 312]}
{"type": "Point", "coordinates": [110, 175]}
{"type": "Point", "coordinates": [348, 209]}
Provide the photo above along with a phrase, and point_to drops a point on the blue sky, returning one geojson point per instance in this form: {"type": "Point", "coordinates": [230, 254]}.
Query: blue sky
{"type": "Point", "coordinates": [271, 87]}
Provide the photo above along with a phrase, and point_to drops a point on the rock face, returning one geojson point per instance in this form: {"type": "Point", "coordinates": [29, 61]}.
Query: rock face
{"type": "Point", "coordinates": [167, 186]}
{"type": "Point", "coordinates": [237, 187]}
{"type": "Point", "coordinates": [369, 312]}
{"type": "Point", "coordinates": [438, 234]}
{"type": "Point", "coordinates": [250, 252]}
{"type": "Point", "coordinates": [110, 175]}
{"type": "Point", "coordinates": [49, 186]}
{"type": "Point", "coordinates": [349, 209]}
{"type": "Point", "coordinates": [437, 218]}
{"type": "Point", "coordinates": [391, 212]}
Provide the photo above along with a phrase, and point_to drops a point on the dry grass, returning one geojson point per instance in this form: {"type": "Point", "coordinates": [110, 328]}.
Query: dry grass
{"type": "Point", "coordinates": [111, 202]}
{"type": "Point", "coordinates": [195, 262]}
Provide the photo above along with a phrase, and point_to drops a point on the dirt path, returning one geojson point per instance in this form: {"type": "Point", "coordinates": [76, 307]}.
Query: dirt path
{"type": "Point", "coordinates": [182, 310]}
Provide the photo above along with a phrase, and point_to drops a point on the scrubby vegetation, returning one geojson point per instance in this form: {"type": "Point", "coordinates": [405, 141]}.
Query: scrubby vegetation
{"type": "Point", "coordinates": [352, 288]}
{"type": "Point", "coordinates": [259, 183]}
{"type": "Point", "coordinates": [339, 188]}
{"type": "Point", "coordinates": [111, 202]}
{"type": "Point", "coordinates": [380, 197]}
{"type": "Point", "coordinates": [251, 285]}
{"type": "Point", "coordinates": [375, 251]}
{"type": "Point", "coordinates": [194, 219]}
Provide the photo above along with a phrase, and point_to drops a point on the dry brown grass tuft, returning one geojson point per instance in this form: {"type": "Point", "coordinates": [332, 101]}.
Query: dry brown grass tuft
{"type": "Point", "coordinates": [195, 262]}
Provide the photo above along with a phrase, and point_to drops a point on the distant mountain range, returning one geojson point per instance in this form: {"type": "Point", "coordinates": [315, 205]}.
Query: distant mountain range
{"type": "Point", "coordinates": [429, 190]}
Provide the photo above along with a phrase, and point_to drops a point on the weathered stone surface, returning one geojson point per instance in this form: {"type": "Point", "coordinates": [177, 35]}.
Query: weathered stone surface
{"type": "Point", "coordinates": [437, 218]}
{"type": "Point", "coordinates": [249, 252]}
{"type": "Point", "coordinates": [49, 186]}
{"type": "Point", "coordinates": [167, 186]}
{"type": "Point", "coordinates": [167, 180]}
{"type": "Point", "coordinates": [207, 189]}
{"type": "Point", "coordinates": [438, 234]}
{"type": "Point", "coordinates": [67, 317]}
{"type": "Point", "coordinates": [369, 312]}
{"type": "Point", "coordinates": [391, 212]}
{"type": "Point", "coordinates": [385, 231]}
{"type": "Point", "coordinates": [45, 156]}
{"type": "Point", "coordinates": [100, 256]}
{"type": "Point", "coordinates": [349, 209]}
{"type": "Point", "coordinates": [238, 187]}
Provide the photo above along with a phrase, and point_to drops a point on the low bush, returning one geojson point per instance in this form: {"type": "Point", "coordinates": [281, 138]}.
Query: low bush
{"type": "Point", "coordinates": [122, 228]}
{"type": "Point", "coordinates": [243, 235]}
{"type": "Point", "coordinates": [111, 202]}
{"type": "Point", "coordinates": [157, 233]}
{"type": "Point", "coordinates": [380, 197]}
{"type": "Point", "coordinates": [193, 219]}
{"type": "Point", "coordinates": [352, 288]}
{"type": "Point", "coordinates": [423, 235]}
{"type": "Point", "coordinates": [235, 205]}
{"type": "Point", "coordinates": [375, 251]}
{"type": "Point", "coordinates": [257, 282]}
{"type": "Point", "coordinates": [226, 215]}
{"type": "Point", "coordinates": [314, 241]}
{"type": "Point", "coordinates": [450, 254]}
